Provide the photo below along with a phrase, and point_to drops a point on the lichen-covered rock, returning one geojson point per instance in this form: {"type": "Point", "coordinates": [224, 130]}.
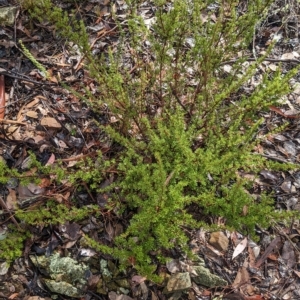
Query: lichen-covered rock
{"type": "Point", "coordinates": [67, 275]}
{"type": "Point", "coordinates": [206, 278]}
{"type": "Point", "coordinates": [178, 282]}
{"type": "Point", "coordinates": [7, 15]}
{"type": "Point", "coordinates": [63, 288]}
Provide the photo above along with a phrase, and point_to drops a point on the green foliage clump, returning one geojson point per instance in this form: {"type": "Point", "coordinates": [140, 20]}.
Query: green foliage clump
{"type": "Point", "coordinates": [11, 247]}
{"type": "Point", "coordinates": [54, 213]}
{"type": "Point", "coordinates": [6, 173]}
{"type": "Point", "coordinates": [184, 156]}
{"type": "Point", "coordinates": [33, 60]}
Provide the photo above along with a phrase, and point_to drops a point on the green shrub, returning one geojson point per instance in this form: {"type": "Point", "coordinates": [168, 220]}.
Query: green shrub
{"type": "Point", "coordinates": [186, 126]}
{"type": "Point", "coordinates": [11, 247]}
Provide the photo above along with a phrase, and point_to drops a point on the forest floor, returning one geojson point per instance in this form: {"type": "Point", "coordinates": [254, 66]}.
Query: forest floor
{"type": "Point", "coordinates": [40, 115]}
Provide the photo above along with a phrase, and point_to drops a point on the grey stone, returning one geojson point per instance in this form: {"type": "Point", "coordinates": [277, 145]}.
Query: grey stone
{"type": "Point", "coordinates": [63, 288]}
{"type": "Point", "coordinates": [67, 275]}
{"type": "Point", "coordinates": [7, 15]}
{"type": "Point", "coordinates": [206, 278]}
{"type": "Point", "coordinates": [4, 267]}
{"type": "Point", "coordinates": [178, 282]}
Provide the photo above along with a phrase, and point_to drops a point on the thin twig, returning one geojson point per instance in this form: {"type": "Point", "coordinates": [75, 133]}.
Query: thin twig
{"type": "Point", "coordinates": [169, 178]}
{"type": "Point", "coordinates": [23, 78]}
{"type": "Point", "coordinates": [12, 122]}
{"type": "Point", "coordinates": [179, 101]}
{"type": "Point", "coordinates": [276, 159]}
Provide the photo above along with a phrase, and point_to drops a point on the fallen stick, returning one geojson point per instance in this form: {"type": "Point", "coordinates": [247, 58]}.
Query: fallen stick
{"type": "Point", "coordinates": [12, 122]}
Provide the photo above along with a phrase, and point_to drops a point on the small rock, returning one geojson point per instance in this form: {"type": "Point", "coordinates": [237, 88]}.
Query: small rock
{"type": "Point", "coordinates": [173, 266]}
{"type": "Point", "coordinates": [115, 296]}
{"type": "Point", "coordinates": [68, 277]}
{"type": "Point", "coordinates": [178, 282]}
{"type": "Point", "coordinates": [219, 240]}
{"type": "Point", "coordinates": [8, 15]}
{"type": "Point", "coordinates": [207, 279]}
{"type": "Point", "coordinates": [63, 288]}
{"type": "Point", "coordinates": [4, 268]}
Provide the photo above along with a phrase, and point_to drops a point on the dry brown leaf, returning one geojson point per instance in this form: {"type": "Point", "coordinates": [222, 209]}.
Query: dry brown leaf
{"type": "Point", "coordinates": [33, 102]}
{"type": "Point", "coordinates": [251, 257]}
{"type": "Point", "coordinates": [93, 280]}
{"type": "Point", "coordinates": [30, 172]}
{"type": "Point", "coordinates": [255, 297]}
{"type": "Point", "coordinates": [32, 114]}
{"type": "Point", "coordinates": [45, 182]}
{"type": "Point", "coordinates": [234, 237]}
{"type": "Point", "coordinates": [43, 111]}
{"type": "Point", "coordinates": [273, 256]}
{"type": "Point", "coordinates": [192, 295]}
{"type": "Point", "coordinates": [15, 295]}
{"type": "Point", "coordinates": [38, 138]}
{"type": "Point", "coordinates": [138, 279]}
{"type": "Point", "coordinates": [153, 296]}
{"type": "Point", "coordinates": [206, 293]}
{"type": "Point", "coordinates": [50, 122]}
{"type": "Point", "coordinates": [297, 273]}
{"type": "Point", "coordinates": [115, 296]}
{"type": "Point", "coordinates": [289, 55]}
{"type": "Point", "coordinates": [11, 200]}
{"type": "Point", "coordinates": [58, 197]}
{"type": "Point", "coordinates": [12, 128]}
{"type": "Point", "coordinates": [69, 244]}
{"type": "Point", "coordinates": [110, 231]}
{"type": "Point", "coordinates": [241, 278]}
{"type": "Point", "coordinates": [51, 160]}
{"type": "Point", "coordinates": [51, 77]}
{"type": "Point", "coordinates": [118, 229]}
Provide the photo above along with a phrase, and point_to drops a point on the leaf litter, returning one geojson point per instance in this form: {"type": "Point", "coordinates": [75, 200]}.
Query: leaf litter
{"type": "Point", "coordinates": [56, 126]}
